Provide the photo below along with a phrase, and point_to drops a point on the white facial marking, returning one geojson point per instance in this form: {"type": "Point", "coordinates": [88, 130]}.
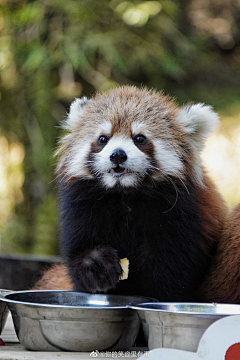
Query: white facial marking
{"type": "Point", "coordinates": [106, 127]}
{"type": "Point", "coordinates": [77, 161]}
{"type": "Point", "coordinates": [168, 159]}
{"type": "Point", "coordinates": [137, 127]}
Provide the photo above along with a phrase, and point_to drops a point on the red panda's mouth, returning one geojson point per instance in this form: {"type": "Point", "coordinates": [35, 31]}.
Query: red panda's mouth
{"type": "Point", "coordinates": [118, 170]}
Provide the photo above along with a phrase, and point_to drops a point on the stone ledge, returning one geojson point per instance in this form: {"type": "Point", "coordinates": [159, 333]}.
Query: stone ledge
{"type": "Point", "coordinates": [20, 272]}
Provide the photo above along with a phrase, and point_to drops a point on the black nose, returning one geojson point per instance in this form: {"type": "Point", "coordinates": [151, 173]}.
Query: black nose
{"type": "Point", "coordinates": [118, 156]}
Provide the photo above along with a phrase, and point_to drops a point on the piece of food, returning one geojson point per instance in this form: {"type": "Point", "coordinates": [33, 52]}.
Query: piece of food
{"type": "Point", "coordinates": [125, 267]}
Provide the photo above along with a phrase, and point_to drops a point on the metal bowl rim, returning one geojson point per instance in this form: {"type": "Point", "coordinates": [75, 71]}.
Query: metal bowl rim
{"type": "Point", "coordinates": [104, 307]}
{"type": "Point", "coordinates": [142, 307]}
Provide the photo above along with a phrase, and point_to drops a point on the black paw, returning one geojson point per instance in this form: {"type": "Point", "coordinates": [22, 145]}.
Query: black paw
{"type": "Point", "coordinates": [96, 270]}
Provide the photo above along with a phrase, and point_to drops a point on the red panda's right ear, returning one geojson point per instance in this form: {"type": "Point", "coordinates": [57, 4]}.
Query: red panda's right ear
{"type": "Point", "coordinates": [198, 121]}
{"type": "Point", "coordinates": [76, 110]}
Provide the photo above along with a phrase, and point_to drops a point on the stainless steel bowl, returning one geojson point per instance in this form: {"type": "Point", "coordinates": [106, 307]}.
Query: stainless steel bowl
{"type": "Point", "coordinates": [3, 310]}
{"type": "Point", "coordinates": [73, 321]}
{"type": "Point", "coordinates": [180, 325]}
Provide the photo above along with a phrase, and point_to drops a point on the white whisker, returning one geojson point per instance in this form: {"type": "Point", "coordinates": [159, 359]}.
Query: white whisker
{"type": "Point", "coordinates": [89, 162]}
{"type": "Point", "coordinates": [183, 183]}
{"type": "Point", "coordinates": [176, 190]}
{"type": "Point", "coordinates": [153, 167]}
{"type": "Point", "coordinates": [175, 174]}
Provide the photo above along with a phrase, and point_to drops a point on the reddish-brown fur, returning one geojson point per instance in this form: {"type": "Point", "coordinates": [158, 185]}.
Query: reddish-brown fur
{"type": "Point", "coordinates": [223, 282]}
{"type": "Point", "coordinates": [55, 278]}
{"type": "Point", "coordinates": [213, 211]}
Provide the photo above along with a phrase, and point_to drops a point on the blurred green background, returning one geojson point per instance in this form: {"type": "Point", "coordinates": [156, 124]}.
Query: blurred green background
{"type": "Point", "coordinates": [54, 51]}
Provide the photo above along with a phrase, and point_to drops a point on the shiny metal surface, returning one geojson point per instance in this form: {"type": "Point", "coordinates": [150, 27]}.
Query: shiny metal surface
{"type": "Point", "coordinates": [72, 321]}
{"type": "Point", "coordinates": [3, 310]}
{"type": "Point", "coordinates": [180, 325]}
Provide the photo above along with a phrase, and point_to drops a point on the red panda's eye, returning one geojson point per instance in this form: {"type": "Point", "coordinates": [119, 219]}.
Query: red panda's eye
{"type": "Point", "coordinates": [102, 140]}
{"type": "Point", "coordinates": [140, 139]}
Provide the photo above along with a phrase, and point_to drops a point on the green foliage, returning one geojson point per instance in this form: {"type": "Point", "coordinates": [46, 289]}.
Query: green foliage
{"type": "Point", "coordinates": [45, 230]}
{"type": "Point", "coordinates": [54, 51]}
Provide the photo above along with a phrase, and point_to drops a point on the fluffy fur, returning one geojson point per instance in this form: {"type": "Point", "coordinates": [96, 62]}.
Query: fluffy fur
{"type": "Point", "coordinates": [55, 278]}
{"type": "Point", "coordinates": [131, 184]}
{"type": "Point", "coordinates": [223, 281]}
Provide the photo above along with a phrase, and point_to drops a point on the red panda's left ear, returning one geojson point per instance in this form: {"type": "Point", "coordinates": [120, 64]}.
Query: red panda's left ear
{"type": "Point", "coordinates": [198, 121]}
{"type": "Point", "coordinates": [76, 110]}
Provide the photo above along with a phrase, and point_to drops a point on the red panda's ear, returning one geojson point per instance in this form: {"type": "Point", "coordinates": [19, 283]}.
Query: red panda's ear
{"type": "Point", "coordinates": [76, 110]}
{"type": "Point", "coordinates": [198, 121]}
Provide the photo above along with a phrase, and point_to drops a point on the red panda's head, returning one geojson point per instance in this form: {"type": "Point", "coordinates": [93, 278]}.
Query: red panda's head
{"type": "Point", "coordinates": [128, 134]}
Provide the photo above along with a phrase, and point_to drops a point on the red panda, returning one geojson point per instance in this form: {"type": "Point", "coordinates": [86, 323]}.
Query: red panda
{"type": "Point", "coordinates": [132, 185]}
{"type": "Point", "coordinates": [222, 283]}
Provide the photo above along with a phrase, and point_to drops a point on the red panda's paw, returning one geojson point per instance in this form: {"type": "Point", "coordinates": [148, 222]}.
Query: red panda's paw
{"type": "Point", "coordinates": [96, 270]}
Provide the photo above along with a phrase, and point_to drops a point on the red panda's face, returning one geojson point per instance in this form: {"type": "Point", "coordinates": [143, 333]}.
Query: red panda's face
{"type": "Point", "coordinates": [127, 157]}
{"type": "Point", "coordinates": [125, 136]}
{"type": "Point", "coordinates": [120, 160]}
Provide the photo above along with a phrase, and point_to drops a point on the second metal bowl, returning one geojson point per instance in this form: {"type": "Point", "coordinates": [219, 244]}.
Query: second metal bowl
{"type": "Point", "coordinates": [180, 325]}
